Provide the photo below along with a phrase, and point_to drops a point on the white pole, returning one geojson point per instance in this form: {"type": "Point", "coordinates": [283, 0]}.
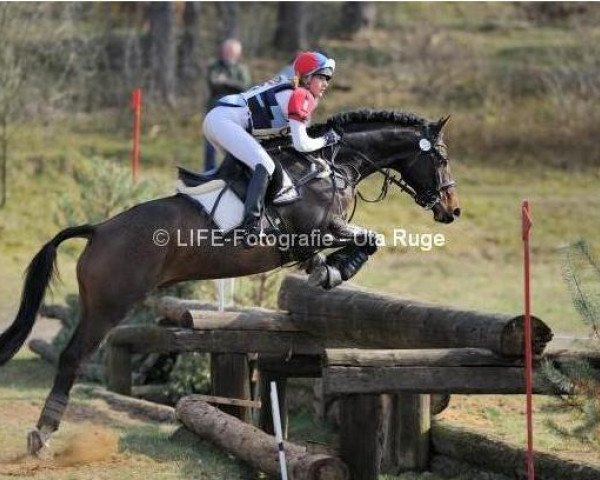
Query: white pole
{"type": "Point", "coordinates": [278, 434]}
{"type": "Point", "coordinates": [225, 288]}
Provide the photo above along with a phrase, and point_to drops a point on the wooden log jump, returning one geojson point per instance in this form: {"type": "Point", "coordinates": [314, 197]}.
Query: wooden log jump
{"type": "Point", "coordinates": [385, 396]}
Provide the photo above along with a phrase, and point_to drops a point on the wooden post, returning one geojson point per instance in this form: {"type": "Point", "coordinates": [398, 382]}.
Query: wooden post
{"type": "Point", "coordinates": [361, 445]}
{"type": "Point", "coordinates": [410, 433]}
{"type": "Point", "coordinates": [230, 377]}
{"type": "Point", "coordinates": [118, 370]}
{"type": "Point", "coordinates": [266, 376]}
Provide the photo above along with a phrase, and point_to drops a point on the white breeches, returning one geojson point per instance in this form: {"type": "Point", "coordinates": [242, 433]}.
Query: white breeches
{"type": "Point", "coordinates": [225, 128]}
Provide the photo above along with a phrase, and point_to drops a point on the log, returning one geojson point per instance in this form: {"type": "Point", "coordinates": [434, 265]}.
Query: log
{"type": "Point", "coordinates": [55, 311]}
{"type": "Point", "coordinates": [250, 319]}
{"type": "Point", "coordinates": [255, 447]}
{"type": "Point", "coordinates": [144, 339]}
{"type": "Point", "coordinates": [366, 319]}
{"type": "Point", "coordinates": [488, 454]}
{"type": "Point", "coordinates": [226, 401]}
{"type": "Point", "coordinates": [150, 410]}
{"type": "Point", "coordinates": [173, 308]}
{"type": "Point", "coordinates": [44, 349]}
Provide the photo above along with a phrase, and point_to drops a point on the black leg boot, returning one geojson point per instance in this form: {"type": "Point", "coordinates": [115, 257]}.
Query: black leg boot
{"type": "Point", "coordinates": [254, 204]}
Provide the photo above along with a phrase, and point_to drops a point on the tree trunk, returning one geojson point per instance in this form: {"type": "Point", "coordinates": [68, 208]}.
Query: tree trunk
{"type": "Point", "coordinates": [255, 447]}
{"type": "Point", "coordinates": [188, 53]}
{"type": "Point", "coordinates": [162, 51]}
{"type": "Point", "coordinates": [292, 22]}
{"type": "Point", "coordinates": [357, 17]}
{"type": "Point", "coordinates": [229, 20]}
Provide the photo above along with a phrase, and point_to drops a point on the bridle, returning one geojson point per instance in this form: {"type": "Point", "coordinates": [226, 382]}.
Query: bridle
{"type": "Point", "coordinates": [426, 199]}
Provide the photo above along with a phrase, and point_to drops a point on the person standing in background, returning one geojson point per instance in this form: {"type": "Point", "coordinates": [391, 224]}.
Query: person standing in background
{"type": "Point", "coordinates": [226, 76]}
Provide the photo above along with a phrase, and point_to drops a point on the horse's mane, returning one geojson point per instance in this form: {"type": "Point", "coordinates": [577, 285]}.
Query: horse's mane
{"type": "Point", "coordinates": [365, 116]}
{"type": "Point", "coordinates": [343, 119]}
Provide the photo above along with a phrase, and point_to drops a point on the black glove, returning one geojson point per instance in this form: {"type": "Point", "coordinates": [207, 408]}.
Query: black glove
{"type": "Point", "coordinates": [331, 137]}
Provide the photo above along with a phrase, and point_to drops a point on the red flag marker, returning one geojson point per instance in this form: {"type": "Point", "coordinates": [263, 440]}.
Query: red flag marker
{"type": "Point", "coordinates": [136, 106]}
{"type": "Point", "coordinates": [526, 224]}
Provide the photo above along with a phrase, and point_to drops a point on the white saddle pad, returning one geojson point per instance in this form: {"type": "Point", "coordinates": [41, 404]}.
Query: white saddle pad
{"type": "Point", "coordinates": [229, 213]}
{"type": "Point", "coordinates": [230, 209]}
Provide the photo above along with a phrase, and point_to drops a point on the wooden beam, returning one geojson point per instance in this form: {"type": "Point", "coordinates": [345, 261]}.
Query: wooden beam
{"type": "Point", "coordinates": [443, 357]}
{"type": "Point", "coordinates": [366, 319]}
{"type": "Point", "coordinates": [165, 340]}
{"type": "Point", "coordinates": [465, 380]}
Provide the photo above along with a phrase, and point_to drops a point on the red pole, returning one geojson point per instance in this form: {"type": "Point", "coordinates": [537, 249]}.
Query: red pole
{"type": "Point", "coordinates": [526, 224]}
{"type": "Point", "coordinates": [136, 106]}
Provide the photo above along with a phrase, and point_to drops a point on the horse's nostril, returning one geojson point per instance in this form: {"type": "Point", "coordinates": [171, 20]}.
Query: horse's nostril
{"type": "Point", "coordinates": [456, 212]}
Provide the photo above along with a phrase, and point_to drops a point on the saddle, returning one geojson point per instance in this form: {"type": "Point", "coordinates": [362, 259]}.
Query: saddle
{"type": "Point", "coordinates": [222, 192]}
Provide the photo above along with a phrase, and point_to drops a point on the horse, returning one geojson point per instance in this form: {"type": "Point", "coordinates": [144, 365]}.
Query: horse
{"type": "Point", "coordinates": [123, 261]}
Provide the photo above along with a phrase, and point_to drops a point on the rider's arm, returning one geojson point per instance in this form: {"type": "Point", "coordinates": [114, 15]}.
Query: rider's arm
{"type": "Point", "coordinates": [300, 139]}
{"type": "Point", "coordinates": [300, 107]}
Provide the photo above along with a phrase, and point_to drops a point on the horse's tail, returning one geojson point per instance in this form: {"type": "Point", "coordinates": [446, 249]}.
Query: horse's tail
{"type": "Point", "coordinates": [39, 273]}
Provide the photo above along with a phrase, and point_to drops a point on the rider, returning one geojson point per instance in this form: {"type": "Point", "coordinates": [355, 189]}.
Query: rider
{"type": "Point", "coordinates": [276, 108]}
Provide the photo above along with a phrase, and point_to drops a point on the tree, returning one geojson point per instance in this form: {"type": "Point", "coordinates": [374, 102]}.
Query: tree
{"type": "Point", "coordinates": [16, 21]}
{"type": "Point", "coordinates": [581, 272]}
{"type": "Point", "coordinates": [188, 53]}
{"type": "Point", "coordinates": [291, 31]}
{"type": "Point", "coordinates": [229, 20]}
{"type": "Point", "coordinates": [357, 17]}
{"type": "Point", "coordinates": [162, 51]}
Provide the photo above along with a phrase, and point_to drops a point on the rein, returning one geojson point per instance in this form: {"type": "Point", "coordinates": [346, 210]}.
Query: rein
{"type": "Point", "coordinates": [426, 200]}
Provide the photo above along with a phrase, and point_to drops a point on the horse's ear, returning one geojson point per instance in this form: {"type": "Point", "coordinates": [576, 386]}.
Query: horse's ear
{"type": "Point", "coordinates": [441, 122]}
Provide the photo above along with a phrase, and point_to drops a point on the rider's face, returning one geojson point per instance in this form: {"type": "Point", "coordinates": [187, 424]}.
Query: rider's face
{"type": "Point", "coordinates": [318, 85]}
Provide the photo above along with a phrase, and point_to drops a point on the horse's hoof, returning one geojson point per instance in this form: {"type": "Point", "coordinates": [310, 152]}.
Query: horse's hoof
{"type": "Point", "coordinates": [36, 442]}
{"type": "Point", "coordinates": [334, 278]}
{"type": "Point", "coordinates": [318, 276]}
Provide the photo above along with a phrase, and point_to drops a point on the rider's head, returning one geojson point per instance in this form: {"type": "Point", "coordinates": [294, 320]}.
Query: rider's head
{"type": "Point", "coordinates": [313, 70]}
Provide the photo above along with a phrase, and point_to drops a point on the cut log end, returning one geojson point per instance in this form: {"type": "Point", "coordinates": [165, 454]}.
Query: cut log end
{"type": "Point", "coordinates": [513, 336]}
{"type": "Point", "coordinates": [321, 467]}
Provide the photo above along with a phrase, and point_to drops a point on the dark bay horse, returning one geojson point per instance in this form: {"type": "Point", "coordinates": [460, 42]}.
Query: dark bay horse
{"type": "Point", "coordinates": [123, 260]}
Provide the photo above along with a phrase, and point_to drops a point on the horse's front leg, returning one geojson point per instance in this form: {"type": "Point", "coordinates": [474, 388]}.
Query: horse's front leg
{"type": "Point", "coordinates": [341, 265]}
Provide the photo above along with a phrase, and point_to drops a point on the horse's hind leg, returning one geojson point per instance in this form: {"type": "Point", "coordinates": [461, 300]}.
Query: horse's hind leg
{"type": "Point", "coordinates": [98, 316]}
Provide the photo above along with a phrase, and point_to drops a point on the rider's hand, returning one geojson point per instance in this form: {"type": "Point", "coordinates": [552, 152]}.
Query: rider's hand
{"type": "Point", "coordinates": [331, 137]}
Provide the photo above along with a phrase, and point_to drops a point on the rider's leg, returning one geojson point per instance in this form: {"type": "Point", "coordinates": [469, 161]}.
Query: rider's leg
{"type": "Point", "coordinates": [225, 127]}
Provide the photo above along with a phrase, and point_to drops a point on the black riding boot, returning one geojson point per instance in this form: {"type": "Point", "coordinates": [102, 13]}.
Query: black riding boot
{"type": "Point", "coordinates": [254, 205]}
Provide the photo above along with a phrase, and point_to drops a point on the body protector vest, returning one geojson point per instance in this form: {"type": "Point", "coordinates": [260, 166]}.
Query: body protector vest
{"type": "Point", "coordinates": [267, 117]}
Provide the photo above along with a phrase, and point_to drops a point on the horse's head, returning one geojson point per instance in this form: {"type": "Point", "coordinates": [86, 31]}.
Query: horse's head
{"type": "Point", "coordinates": [424, 165]}
{"type": "Point", "coordinates": [411, 146]}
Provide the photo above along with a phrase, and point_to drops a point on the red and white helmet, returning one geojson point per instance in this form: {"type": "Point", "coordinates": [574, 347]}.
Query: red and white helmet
{"type": "Point", "coordinates": [310, 63]}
